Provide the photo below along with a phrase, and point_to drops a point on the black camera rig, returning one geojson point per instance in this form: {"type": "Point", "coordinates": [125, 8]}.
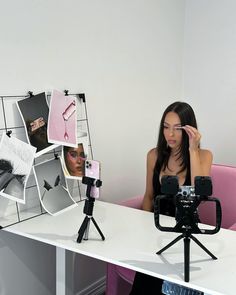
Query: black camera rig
{"type": "Point", "coordinates": [187, 199]}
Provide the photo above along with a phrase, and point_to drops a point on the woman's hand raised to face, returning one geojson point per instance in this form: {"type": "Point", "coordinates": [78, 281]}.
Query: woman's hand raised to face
{"type": "Point", "coordinates": [194, 137]}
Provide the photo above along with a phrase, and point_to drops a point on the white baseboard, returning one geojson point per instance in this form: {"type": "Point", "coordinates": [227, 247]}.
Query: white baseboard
{"type": "Point", "coordinates": [95, 288]}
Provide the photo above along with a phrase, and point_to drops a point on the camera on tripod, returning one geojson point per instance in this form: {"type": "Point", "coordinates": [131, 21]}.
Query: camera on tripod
{"type": "Point", "coordinates": [187, 190]}
{"type": "Point", "coordinates": [186, 200]}
{"type": "Point", "coordinates": [186, 195]}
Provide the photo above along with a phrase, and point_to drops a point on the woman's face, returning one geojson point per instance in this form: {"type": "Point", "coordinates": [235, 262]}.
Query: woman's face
{"type": "Point", "coordinates": [172, 130]}
{"type": "Point", "coordinates": [75, 159]}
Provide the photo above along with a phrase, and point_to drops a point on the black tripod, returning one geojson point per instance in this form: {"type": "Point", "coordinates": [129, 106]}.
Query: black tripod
{"type": "Point", "coordinates": [186, 200]}
{"type": "Point", "coordinates": [187, 236]}
{"type": "Point", "coordinates": [88, 210]}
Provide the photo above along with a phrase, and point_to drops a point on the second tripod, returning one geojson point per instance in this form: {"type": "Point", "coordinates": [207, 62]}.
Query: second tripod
{"type": "Point", "coordinates": [88, 210]}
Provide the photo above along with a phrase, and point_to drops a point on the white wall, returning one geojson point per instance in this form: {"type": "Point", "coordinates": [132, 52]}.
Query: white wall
{"type": "Point", "coordinates": [125, 55]}
{"type": "Point", "coordinates": [127, 58]}
{"type": "Point", "coordinates": [210, 71]}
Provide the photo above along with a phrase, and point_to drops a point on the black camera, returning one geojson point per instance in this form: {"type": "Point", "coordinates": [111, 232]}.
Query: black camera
{"type": "Point", "coordinates": [186, 200]}
{"type": "Point", "coordinates": [185, 196]}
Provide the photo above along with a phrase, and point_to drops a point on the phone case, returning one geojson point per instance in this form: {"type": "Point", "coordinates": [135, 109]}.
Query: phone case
{"type": "Point", "coordinates": [92, 170]}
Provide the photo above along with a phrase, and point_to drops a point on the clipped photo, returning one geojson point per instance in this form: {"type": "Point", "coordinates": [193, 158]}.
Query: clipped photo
{"type": "Point", "coordinates": [16, 160]}
{"type": "Point", "coordinates": [34, 112]}
{"type": "Point", "coordinates": [51, 184]}
{"type": "Point", "coordinates": [73, 159]}
{"type": "Point", "coordinates": [62, 120]}
{"type": "Point", "coordinates": [82, 130]}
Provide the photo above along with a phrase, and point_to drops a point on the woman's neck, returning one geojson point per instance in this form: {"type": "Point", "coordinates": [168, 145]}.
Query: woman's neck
{"type": "Point", "coordinates": [175, 154]}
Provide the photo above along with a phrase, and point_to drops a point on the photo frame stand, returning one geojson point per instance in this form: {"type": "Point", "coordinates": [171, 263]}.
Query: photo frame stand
{"type": "Point", "coordinates": [11, 124]}
{"type": "Point", "coordinates": [88, 210]}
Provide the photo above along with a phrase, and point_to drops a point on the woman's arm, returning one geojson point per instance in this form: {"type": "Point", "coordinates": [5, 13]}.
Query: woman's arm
{"type": "Point", "coordinates": [148, 196]}
{"type": "Point", "coordinates": [200, 160]}
{"type": "Point", "coordinates": [200, 163]}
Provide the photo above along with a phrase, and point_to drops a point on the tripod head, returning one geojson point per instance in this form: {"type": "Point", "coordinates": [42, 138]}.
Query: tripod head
{"type": "Point", "coordinates": [91, 182]}
{"type": "Point", "coordinates": [187, 199]}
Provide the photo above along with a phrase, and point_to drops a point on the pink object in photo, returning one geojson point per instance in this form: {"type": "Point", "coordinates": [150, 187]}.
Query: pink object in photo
{"type": "Point", "coordinates": [62, 121]}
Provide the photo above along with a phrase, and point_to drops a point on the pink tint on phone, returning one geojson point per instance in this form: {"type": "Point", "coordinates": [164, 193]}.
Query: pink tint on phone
{"type": "Point", "coordinates": [92, 170]}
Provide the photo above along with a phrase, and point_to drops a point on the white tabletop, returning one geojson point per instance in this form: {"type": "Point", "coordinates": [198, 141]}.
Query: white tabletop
{"type": "Point", "coordinates": [132, 240]}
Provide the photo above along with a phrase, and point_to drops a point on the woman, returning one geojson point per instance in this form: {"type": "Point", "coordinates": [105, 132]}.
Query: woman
{"type": "Point", "coordinates": [178, 153]}
{"type": "Point", "coordinates": [74, 160]}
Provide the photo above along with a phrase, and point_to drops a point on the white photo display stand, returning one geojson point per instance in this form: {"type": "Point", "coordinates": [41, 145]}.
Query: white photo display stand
{"type": "Point", "coordinates": [12, 124]}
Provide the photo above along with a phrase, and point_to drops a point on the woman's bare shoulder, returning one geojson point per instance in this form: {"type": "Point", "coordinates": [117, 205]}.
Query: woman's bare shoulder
{"type": "Point", "coordinates": [152, 155]}
{"type": "Point", "coordinates": [152, 152]}
{"type": "Point", "coordinates": [206, 154]}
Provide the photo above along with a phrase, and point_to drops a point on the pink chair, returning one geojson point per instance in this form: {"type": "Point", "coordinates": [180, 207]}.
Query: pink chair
{"type": "Point", "coordinates": [120, 279]}
{"type": "Point", "coordinates": [224, 188]}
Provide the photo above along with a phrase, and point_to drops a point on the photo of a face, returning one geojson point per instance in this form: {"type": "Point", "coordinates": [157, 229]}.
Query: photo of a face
{"type": "Point", "coordinates": [74, 159]}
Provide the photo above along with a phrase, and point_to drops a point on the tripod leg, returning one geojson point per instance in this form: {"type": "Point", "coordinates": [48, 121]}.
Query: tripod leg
{"type": "Point", "coordinates": [87, 230]}
{"type": "Point", "coordinates": [98, 229]}
{"type": "Point", "coordinates": [82, 229]}
{"type": "Point", "coordinates": [186, 258]}
{"type": "Point", "coordinates": [170, 244]}
{"type": "Point", "coordinates": [203, 247]}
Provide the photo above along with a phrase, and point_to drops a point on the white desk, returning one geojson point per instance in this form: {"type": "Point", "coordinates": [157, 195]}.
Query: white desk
{"type": "Point", "coordinates": [132, 241]}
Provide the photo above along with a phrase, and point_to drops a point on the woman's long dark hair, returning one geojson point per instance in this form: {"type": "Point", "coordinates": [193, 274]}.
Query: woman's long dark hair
{"type": "Point", "coordinates": [187, 117]}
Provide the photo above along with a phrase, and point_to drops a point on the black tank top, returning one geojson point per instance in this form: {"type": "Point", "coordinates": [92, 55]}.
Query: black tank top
{"type": "Point", "coordinates": [167, 206]}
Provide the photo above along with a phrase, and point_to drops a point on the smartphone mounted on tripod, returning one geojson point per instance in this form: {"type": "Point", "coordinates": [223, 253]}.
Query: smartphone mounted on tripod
{"type": "Point", "coordinates": [93, 182]}
{"type": "Point", "coordinates": [92, 176]}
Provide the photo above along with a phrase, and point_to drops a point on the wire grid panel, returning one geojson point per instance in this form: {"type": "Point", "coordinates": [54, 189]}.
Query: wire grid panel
{"type": "Point", "coordinates": [10, 120]}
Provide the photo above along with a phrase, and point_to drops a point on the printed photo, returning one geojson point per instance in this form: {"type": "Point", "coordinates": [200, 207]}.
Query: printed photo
{"type": "Point", "coordinates": [62, 120]}
{"type": "Point", "coordinates": [81, 109]}
{"type": "Point", "coordinates": [34, 112]}
{"type": "Point", "coordinates": [52, 189]}
{"type": "Point", "coordinates": [16, 160]}
{"type": "Point", "coordinates": [82, 130]}
{"type": "Point", "coordinates": [73, 159]}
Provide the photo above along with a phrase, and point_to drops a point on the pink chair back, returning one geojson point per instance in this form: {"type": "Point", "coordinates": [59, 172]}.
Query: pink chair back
{"type": "Point", "coordinates": [224, 188]}
{"type": "Point", "coordinates": [120, 279]}
{"type": "Point", "coordinates": [134, 202]}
